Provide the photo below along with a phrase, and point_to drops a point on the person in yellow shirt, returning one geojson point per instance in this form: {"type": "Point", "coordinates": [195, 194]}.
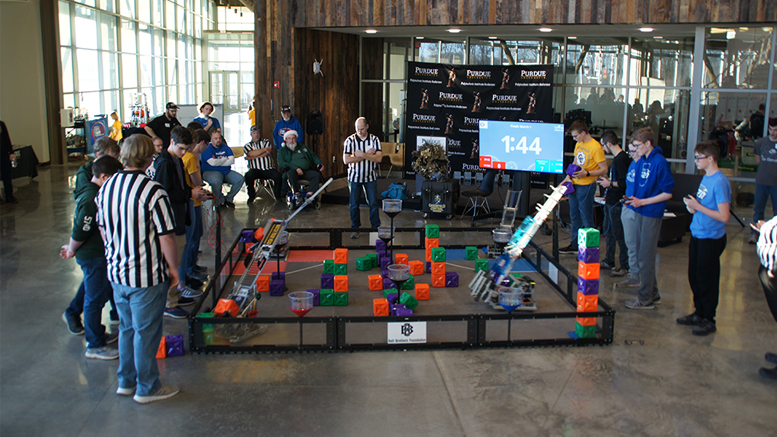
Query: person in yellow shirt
{"type": "Point", "coordinates": [115, 127]}
{"type": "Point", "coordinates": [590, 157]}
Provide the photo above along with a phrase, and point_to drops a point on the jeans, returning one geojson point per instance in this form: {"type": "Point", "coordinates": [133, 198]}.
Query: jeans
{"type": "Point", "coordinates": [613, 228]}
{"type": "Point", "coordinates": [581, 208]}
{"type": "Point", "coordinates": [97, 290]}
{"type": "Point", "coordinates": [648, 230]}
{"type": "Point", "coordinates": [631, 236]}
{"type": "Point", "coordinates": [217, 178]}
{"type": "Point", "coordinates": [191, 249]}
{"type": "Point", "coordinates": [272, 174]}
{"type": "Point", "coordinates": [76, 306]}
{"type": "Point", "coordinates": [704, 274]}
{"type": "Point", "coordinates": [140, 330]}
{"type": "Point", "coordinates": [770, 289]}
{"type": "Point", "coordinates": [762, 193]}
{"type": "Point", "coordinates": [372, 201]}
{"type": "Point", "coordinates": [312, 176]}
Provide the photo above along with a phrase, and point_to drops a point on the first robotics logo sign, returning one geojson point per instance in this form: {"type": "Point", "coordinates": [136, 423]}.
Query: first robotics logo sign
{"type": "Point", "coordinates": [407, 329]}
{"type": "Point", "coordinates": [449, 100]}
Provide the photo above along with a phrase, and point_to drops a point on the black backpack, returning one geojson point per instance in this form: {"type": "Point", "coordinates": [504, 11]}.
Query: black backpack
{"type": "Point", "coordinates": [721, 136]}
{"type": "Point", "coordinates": [315, 123]}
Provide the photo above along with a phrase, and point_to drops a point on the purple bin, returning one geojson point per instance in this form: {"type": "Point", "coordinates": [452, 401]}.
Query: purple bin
{"type": "Point", "coordinates": [380, 245]}
{"type": "Point", "coordinates": [588, 286]}
{"type": "Point", "coordinates": [174, 344]}
{"type": "Point", "coordinates": [328, 280]}
{"type": "Point", "coordinates": [388, 283]}
{"type": "Point", "coordinates": [588, 255]}
{"type": "Point", "coordinates": [276, 287]}
{"type": "Point", "coordinates": [316, 296]}
{"type": "Point", "coordinates": [451, 279]}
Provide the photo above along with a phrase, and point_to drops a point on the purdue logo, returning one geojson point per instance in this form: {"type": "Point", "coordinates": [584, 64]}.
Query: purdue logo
{"type": "Point", "coordinates": [498, 98]}
{"type": "Point", "coordinates": [474, 74]}
{"type": "Point", "coordinates": [470, 121]}
{"type": "Point", "coordinates": [421, 118]}
{"type": "Point", "coordinates": [534, 74]}
{"type": "Point", "coordinates": [426, 71]}
{"type": "Point", "coordinates": [451, 97]}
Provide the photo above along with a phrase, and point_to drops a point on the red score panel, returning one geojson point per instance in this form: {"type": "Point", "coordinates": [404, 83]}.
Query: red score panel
{"type": "Point", "coordinates": [485, 162]}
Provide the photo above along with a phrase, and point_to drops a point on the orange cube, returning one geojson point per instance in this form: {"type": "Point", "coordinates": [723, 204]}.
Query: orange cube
{"type": "Point", "coordinates": [262, 283]}
{"type": "Point", "coordinates": [416, 268]}
{"type": "Point", "coordinates": [401, 258]}
{"type": "Point", "coordinates": [341, 283]}
{"type": "Point", "coordinates": [429, 254]}
{"type": "Point", "coordinates": [438, 281]}
{"type": "Point", "coordinates": [588, 270]}
{"type": "Point", "coordinates": [587, 302]}
{"type": "Point", "coordinates": [432, 242]}
{"type": "Point", "coordinates": [380, 307]}
{"type": "Point", "coordinates": [421, 291]}
{"type": "Point", "coordinates": [375, 282]}
{"type": "Point", "coordinates": [226, 306]}
{"type": "Point", "coordinates": [438, 268]}
{"type": "Point", "coordinates": [162, 351]}
{"type": "Point", "coordinates": [341, 256]}
{"type": "Point", "coordinates": [586, 321]}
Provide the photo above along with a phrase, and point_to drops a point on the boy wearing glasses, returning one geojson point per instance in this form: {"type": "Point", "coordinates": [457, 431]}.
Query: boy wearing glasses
{"type": "Point", "coordinates": [710, 209]}
{"type": "Point", "coordinates": [616, 188]}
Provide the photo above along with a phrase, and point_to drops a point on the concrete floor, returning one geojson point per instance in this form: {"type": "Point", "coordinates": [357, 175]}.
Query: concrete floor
{"type": "Point", "coordinates": [674, 384]}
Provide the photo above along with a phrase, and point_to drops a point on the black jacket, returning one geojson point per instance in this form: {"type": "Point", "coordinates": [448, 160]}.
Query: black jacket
{"type": "Point", "coordinates": [174, 183]}
{"type": "Point", "coordinates": [6, 147]}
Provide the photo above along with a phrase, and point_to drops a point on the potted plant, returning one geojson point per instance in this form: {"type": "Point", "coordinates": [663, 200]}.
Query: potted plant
{"type": "Point", "coordinates": [431, 161]}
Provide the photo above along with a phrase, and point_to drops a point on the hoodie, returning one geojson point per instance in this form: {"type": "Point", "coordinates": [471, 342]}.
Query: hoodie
{"type": "Point", "coordinates": [85, 227]}
{"type": "Point", "coordinates": [648, 177]}
{"type": "Point", "coordinates": [83, 177]}
{"type": "Point", "coordinates": [282, 126]}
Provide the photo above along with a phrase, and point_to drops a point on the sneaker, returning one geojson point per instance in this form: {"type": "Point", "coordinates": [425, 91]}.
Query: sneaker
{"type": "Point", "coordinates": [355, 235]}
{"type": "Point", "coordinates": [229, 204]}
{"type": "Point", "coordinates": [604, 265]}
{"type": "Point", "coordinates": [73, 324]}
{"type": "Point", "coordinates": [201, 269]}
{"type": "Point", "coordinates": [125, 391]}
{"type": "Point", "coordinates": [11, 199]}
{"type": "Point", "coordinates": [163, 393]}
{"type": "Point", "coordinates": [628, 283]}
{"type": "Point", "coordinates": [568, 249]}
{"type": "Point", "coordinates": [768, 373]}
{"type": "Point", "coordinates": [657, 300]}
{"type": "Point", "coordinates": [189, 292]}
{"type": "Point", "coordinates": [111, 338]}
{"type": "Point", "coordinates": [199, 276]}
{"type": "Point", "coordinates": [185, 301]}
{"type": "Point", "coordinates": [753, 239]}
{"type": "Point", "coordinates": [620, 272]}
{"type": "Point", "coordinates": [193, 282]}
{"type": "Point", "coordinates": [635, 304]}
{"type": "Point", "coordinates": [176, 313]}
{"type": "Point", "coordinates": [689, 320]}
{"type": "Point", "coordinates": [705, 328]}
{"type": "Point", "coordinates": [102, 353]}
{"type": "Point", "coordinates": [770, 357]}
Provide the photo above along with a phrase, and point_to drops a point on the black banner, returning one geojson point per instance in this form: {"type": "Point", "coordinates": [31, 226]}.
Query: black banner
{"type": "Point", "coordinates": [450, 100]}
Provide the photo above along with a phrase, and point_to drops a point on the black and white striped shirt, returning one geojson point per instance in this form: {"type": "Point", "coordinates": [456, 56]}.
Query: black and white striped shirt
{"type": "Point", "coordinates": [365, 170]}
{"type": "Point", "coordinates": [263, 163]}
{"type": "Point", "coordinates": [133, 212]}
{"type": "Point", "coordinates": [767, 244]}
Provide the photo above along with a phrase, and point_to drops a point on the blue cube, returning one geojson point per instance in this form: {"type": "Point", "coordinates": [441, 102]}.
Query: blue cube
{"type": "Point", "coordinates": [316, 296]}
{"type": "Point", "coordinates": [328, 280]}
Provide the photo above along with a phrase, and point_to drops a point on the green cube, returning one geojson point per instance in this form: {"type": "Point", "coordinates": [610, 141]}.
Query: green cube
{"type": "Point", "coordinates": [588, 237]}
{"type": "Point", "coordinates": [408, 300]}
{"type": "Point", "coordinates": [471, 252]}
{"type": "Point", "coordinates": [329, 266]}
{"type": "Point", "coordinates": [432, 231]}
{"type": "Point", "coordinates": [438, 254]}
{"type": "Point", "coordinates": [341, 299]}
{"type": "Point", "coordinates": [363, 263]}
{"type": "Point", "coordinates": [585, 331]}
{"type": "Point", "coordinates": [409, 284]}
{"type": "Point", "coordinates": [373, 259]}
{"type": "Point", "coordinates": [207, 327]}
{"type": "Point", "coordinates": [341, 269]}
{"type": "Point", "coordinates": [388, 291]}
{"type": "Point", "coordinates": [327, 297]}
{"type": "Point", "coordinates": [481, 264]}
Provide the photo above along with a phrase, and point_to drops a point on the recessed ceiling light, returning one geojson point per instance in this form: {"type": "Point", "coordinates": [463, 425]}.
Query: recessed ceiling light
{"type": "Point", "coordinates": [646, 29]}
{"type": "Point", "coordinates": [731, 34]}
{"type": "Point", "coordinates": [546, 29]}
{"type": "Point", "coordinates": [658, 37]}
{"type": "Point", "coordinates": [491, 37]}
{"type": "Point", "coordinates": [454, 30]}
{"type": "Point", "coordinates": [419, 37]}
{"type": "Point", "coordinates": [371, 31]}
{"type": "Point", "coordinates": [572, 37]}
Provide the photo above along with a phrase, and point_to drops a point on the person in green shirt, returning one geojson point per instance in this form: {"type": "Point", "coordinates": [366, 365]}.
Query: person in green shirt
{"type": "Point", "coordinates": [296, 161]}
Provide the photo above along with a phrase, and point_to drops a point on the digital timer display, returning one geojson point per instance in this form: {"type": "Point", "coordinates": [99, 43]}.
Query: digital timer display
{"type": "Point", "coordinates": [523, 146]}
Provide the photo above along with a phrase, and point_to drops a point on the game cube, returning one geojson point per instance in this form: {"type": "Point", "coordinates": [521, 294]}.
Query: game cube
{"type": "Point", "coordinates": [380, 307]}
{"type": "Point", "coordinates": [341, 256]}
{"type": "Point", "coordinates": [375, 282]}
{"type": "Point", "coordinates": [451, 279]}
{"type": "Point", "coordinates": [422, 291]}
{"type": "Point", "coordinates": [416, 267]}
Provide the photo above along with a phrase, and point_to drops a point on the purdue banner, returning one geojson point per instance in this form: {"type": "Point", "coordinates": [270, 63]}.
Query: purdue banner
{"type": "Point", "coordinates": [449, 101]}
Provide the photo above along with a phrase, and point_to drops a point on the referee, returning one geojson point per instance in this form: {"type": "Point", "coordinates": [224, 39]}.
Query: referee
{"type": "Point", "coordinates": [258, 153]}
{"type": "Point", "coordinates": [362, 153]}
{"type": "Point", "coordinates": [137, 223]}
{"type": "Point", "coordinates": [767, 273]}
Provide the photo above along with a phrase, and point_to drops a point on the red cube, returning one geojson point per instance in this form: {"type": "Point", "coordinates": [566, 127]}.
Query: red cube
{"type": "Point", "coordinates": [416, 267]}
{"type": "Point", "coordinates": [380, 307]}
{"type": "Point", "coordinates": [376, 282]}
{"type": "Point", "coordinates": [341, 284]}
{"type": "Point", "coordinates": [422, 291]}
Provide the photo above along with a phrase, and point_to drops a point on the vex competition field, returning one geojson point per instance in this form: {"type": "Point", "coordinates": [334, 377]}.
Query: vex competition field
{"type": "Point", "coordinates": [347, 320]}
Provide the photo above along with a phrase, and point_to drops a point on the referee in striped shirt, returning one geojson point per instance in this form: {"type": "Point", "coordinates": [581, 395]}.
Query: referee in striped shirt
{"type": "Point", "coordinates": [767, 273]}
{"type": "Point", "coordinates": [258, 153]}
{"type": "Point", "coordinates": [138, 227]}
{"type": "Point", "coordinates": [362, 154]}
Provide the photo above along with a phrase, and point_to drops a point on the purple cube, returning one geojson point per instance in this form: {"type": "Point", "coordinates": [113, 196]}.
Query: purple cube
{"type": "Point", "coordinates": [276, 287]}
{"type": "Point", "coordinates": [385, 273]}
{"type": "Point", "coordinates": [316, 296]}
{"type": "Point", "coordinates": [572, 169]}
{"type": "Point", "coordinates": [393, 308]}
{"type": "Point", "coordinates": [248, 235]}
{"type": "Point", "coordinates": [384, 262]}
{"type": "Point", "coordinates": [588, 286]}
{"type": "Point", "coordinates": [570, 188]}
{"type": "Point", "coordinates": [403, 312]}
{"type": "Point", "coordinates": [380, 245]}
{"type": "Point", "coordinates": [428, 267]}
{"type": "Point", "coordinates": [388, 283]}
{"type": "Point", "coordinates": [328, 280]}
{"type": "Point", "coordinates": [392, 299]}
{"type": "Point", "coordinates": [506, 282]}
{"type": "Point", "coordinates": [174, 344]}
{"type": "Point", "coordinates": [451, 279]}
{"type": "Point", "coordinates": [383, 254]}
{"type": "Point", "coordinates": [588, 255]}
{"type": "Point", "coordinates": [278, 275]}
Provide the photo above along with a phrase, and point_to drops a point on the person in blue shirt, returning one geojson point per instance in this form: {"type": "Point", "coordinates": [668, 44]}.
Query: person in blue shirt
{"type": "Point", "coordinates": [647, 196]}
{"type": "Point", "coordinates": [710, 209]}
{"type": "Point", "coordinates": [210, 124]}
{"type": "Point", "coordinates": [286, 123]}
{"type": "Point", "coordinates": [217, 162]}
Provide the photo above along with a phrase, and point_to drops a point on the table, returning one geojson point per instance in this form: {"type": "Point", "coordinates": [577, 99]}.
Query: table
{"type": "Point", "coordinates": [26, 162]}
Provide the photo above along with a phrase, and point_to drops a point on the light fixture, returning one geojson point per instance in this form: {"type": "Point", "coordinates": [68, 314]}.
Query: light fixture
{"type": "Point", "coordinates": [658, 37]}
{"type": "Point", "coordinates": [731, 34]}
{"type": "Point", "coordinates": [419, 37]}
{"type": "Point", "coordinates": [454, 30]}
{"type": "Point", "coordinates": [491, 37]}
{"type": "Point", "coordinates": [371, 31]}
{"type": "Point", "coordinates": [572, 37]}
{"type": "Point", "coordinates": [645, 29]}
{"type": "Point", "coordinates": [546, 29]}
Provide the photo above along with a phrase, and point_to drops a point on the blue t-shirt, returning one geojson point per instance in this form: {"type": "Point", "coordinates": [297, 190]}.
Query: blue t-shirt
{"type": "Point", "coordinates": [712, 191]}
{"type": "Point", "coordinates": [204, 121]}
